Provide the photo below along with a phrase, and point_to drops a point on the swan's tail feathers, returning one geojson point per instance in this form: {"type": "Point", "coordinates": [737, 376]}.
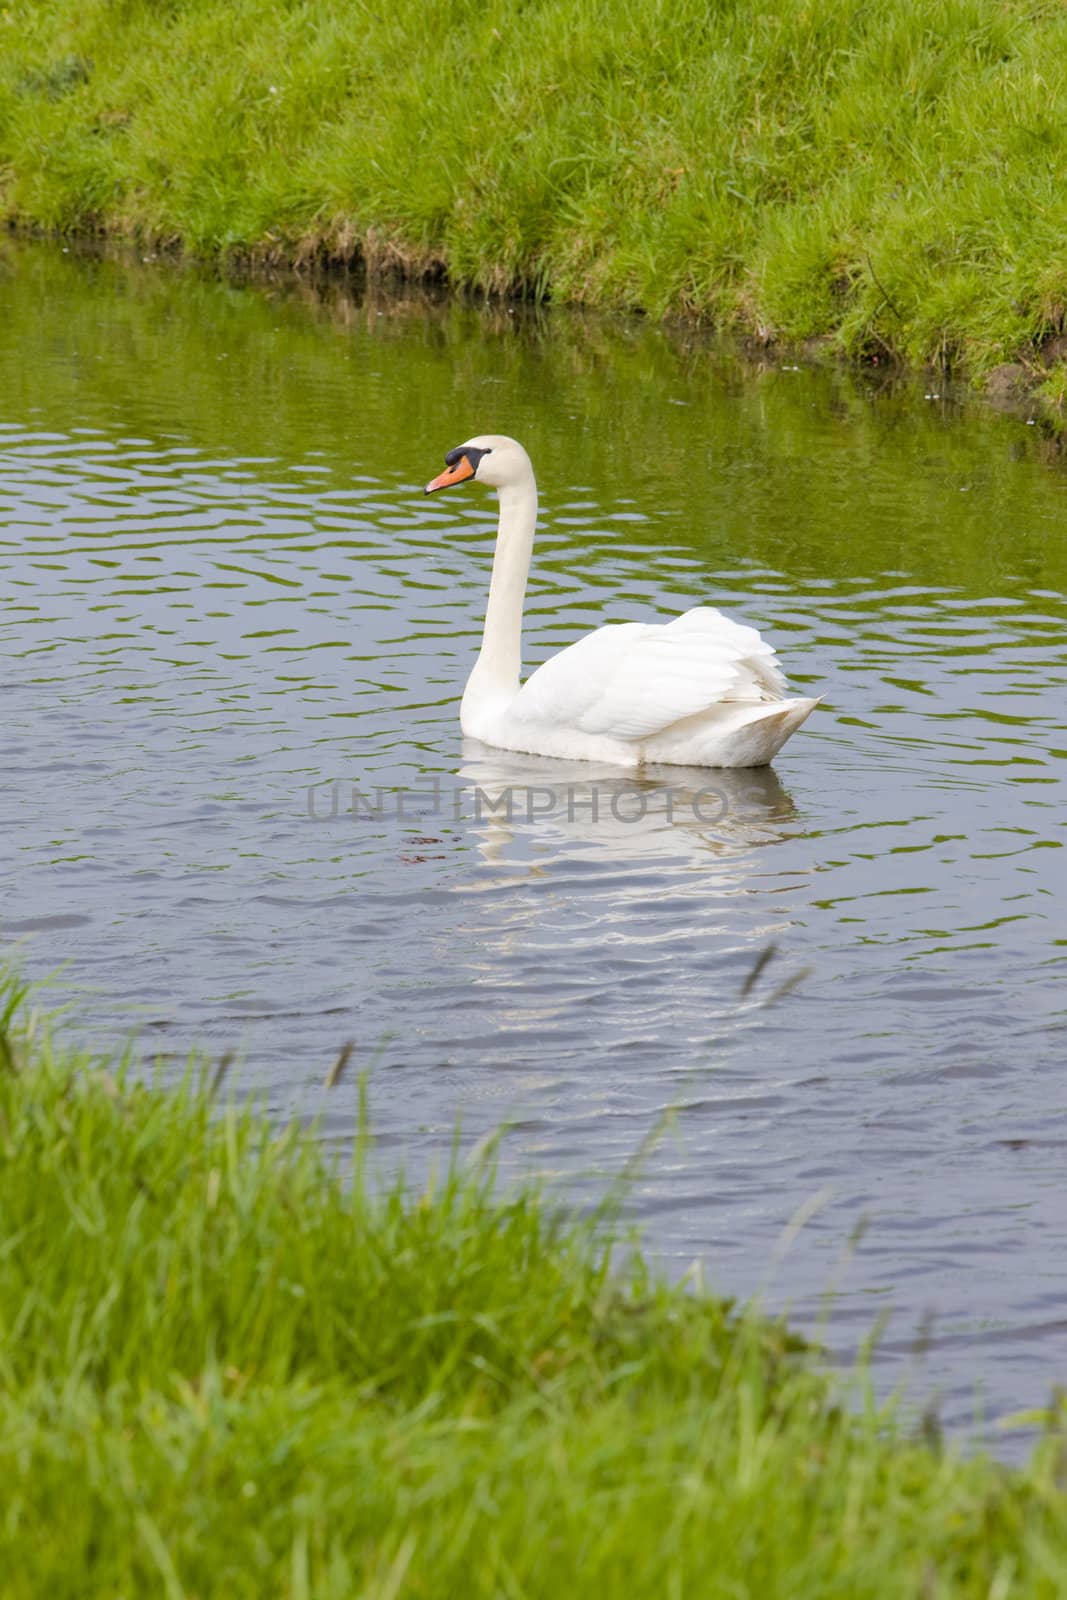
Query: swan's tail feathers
{"type": "Point", "coordinates": [775, 725]}
{"type": "Point", "coordinates": [731, 734]}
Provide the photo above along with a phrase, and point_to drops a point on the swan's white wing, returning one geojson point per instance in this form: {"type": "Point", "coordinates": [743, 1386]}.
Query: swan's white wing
{"type": "Point", "coordinates": [632, 679]}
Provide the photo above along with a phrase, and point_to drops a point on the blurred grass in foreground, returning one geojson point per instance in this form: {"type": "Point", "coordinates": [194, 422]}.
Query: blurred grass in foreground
{"type": "Point", "coordinates": [226, 1369]}
{"type": "Point", "coordinates": [890, 175]}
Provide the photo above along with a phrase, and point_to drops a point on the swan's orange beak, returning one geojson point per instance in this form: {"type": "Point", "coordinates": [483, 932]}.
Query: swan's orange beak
{"type": "Point", "coordinates": [457, 474]}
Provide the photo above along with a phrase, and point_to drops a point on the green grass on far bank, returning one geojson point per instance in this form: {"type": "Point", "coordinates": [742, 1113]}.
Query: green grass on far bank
{"type": "Point", "coordinates": [225, 1372]}
{"type": "Point", "coordinates": [891, 175]}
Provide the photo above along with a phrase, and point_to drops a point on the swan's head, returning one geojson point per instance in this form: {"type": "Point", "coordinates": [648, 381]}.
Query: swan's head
{"type": "Point", "coordinates": [491, 458]}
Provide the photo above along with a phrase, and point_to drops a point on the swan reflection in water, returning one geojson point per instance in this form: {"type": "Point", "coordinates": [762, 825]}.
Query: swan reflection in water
{"type": "Point", "coordinates": [531, 815]}
{"type": "Point", "coordinates": [627, 903]}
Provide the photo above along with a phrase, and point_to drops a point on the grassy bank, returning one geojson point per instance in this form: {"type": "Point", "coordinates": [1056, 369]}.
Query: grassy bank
{"type": "Point", "coordinates": [224, 1372]}
{"type": "Point", "coordinates": [889, 176]}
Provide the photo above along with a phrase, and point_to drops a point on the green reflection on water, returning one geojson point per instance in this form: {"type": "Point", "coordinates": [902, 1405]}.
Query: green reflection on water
{"type": "Point", "coordinates": [819, 473]}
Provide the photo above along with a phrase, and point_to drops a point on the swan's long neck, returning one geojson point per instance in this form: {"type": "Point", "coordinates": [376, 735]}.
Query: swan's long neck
{"type": "Point", "coordinates": [500, 658]}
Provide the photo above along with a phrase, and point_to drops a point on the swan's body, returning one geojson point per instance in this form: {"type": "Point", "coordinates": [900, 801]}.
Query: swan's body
{"type": "Point", "coordinates": [699, 690]}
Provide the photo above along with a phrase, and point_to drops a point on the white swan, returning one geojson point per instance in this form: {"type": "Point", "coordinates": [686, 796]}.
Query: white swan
{"type": "Point", "coordinates": [697, 691]}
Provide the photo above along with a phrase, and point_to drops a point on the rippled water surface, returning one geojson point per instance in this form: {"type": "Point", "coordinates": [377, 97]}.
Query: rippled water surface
{"type": "Point", "coordinates": [238, 809]}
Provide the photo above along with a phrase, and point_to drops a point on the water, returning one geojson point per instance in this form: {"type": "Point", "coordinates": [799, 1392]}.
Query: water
{"type": "Point", "coordinates": [226, 606]}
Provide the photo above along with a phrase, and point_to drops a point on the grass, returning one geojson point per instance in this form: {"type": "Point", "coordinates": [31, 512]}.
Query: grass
{"type": "Point", "coordinates": [225, 1371]}
{"type": "Point", "coordinates": [888, 176]}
